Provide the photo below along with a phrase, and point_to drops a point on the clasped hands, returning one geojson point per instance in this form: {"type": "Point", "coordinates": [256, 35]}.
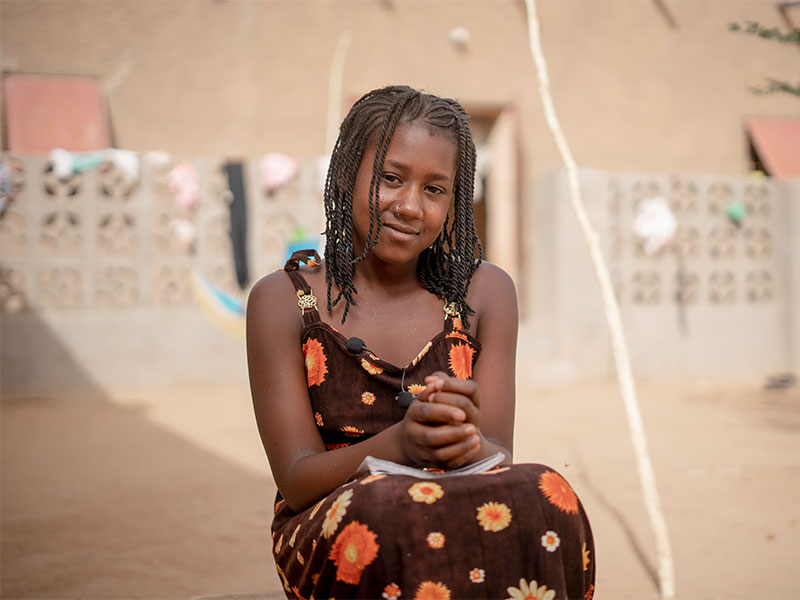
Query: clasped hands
{"type": "Point", "coordinates": [441, 427]}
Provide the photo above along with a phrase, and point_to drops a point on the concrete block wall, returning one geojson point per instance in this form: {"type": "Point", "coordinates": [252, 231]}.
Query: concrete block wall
{"type": "Point", "coordinates": [739, 284]}
{"type": "Point", "coordinates": [94, 291]}
{"type": "Point", "coordinates": [94, 294]}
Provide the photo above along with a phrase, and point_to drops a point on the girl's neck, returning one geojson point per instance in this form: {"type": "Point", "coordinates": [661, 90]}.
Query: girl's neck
{"type": "Point", "coordinates": [378, 276]}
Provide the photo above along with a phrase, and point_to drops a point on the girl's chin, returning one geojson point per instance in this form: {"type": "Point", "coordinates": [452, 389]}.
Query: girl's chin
{"type": "Point", "coordinates": [394, 255]}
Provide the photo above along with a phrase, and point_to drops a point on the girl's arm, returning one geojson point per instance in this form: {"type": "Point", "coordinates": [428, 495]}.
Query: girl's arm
{"type": "Point", "coordinates": [303, 471]}
{"type": "Point", "coordinates": [489, 398]}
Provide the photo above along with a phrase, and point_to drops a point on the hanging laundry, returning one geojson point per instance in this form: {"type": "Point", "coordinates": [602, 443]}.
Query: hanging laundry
{"type": "Point", "coordinates": [238, 211]}
{"type": "Point", "coordinates": [736, 212]}
{"type": "Point", "coordinates": [66, 164]}
{"type": "Point", "coordinates": [126, 161]}
{"type": "Point", "coordinates": [276, 171]}
{"type": "Point", "coordinates": [654, 224]}
{"type": "Point", "coordinates": [6, 186]}
{"type": "Point", "coordinates": [184, 182]}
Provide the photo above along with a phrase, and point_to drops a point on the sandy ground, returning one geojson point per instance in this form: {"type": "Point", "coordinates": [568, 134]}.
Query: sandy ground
{"type": "Point", "coordinates": [166, 493]}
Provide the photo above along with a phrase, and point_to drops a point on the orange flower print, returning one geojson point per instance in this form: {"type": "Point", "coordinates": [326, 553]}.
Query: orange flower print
{"type": "Point", "coordinates": [368, 398]}
{"type": "Point", "coordinates": [296, 592]}
{"type": "Point", "coordinates": [315, 578]}
{"type": "Point", "coordinates": [318, 419]}
{"type": "Point", "coordinates": [585, 554]}
{"type": "Point", "coordinates": [391, 592]}
{"type": "Point", "coordinates": [351, 431]}
{"type": "Point", "coordinates": [429, 590]}
{"type": "Point", "coordinates": [551, 541]}
{"type": "Point", "coordinates": [355, 548]}
{"type": "Point", "coordinates": [335, 446]}
{"type": "Point", "coordinates": [335, 513]}
{"type": "Point", "coordinates": [279, 545]}
{"type": "Point", "coordinates": [461, 360]}
{"type": "Point", "coordinates": [557, 491]}
{"type": "Point", "coordinates": [457, 334]}
{"type": "Point", "coordinates": [530, 590]}
{"type": "Point", "coordinates": [316, 362]}
{"type": "Point", "coordinates": [371, 478]}
{"type": "Point", "coordinates": [416, 388]}
{"type": "Point", "coordinates": [422, 353]}
{"type": "Point", "coordinates": [494, 516]}
{"type": "Point", "coordinates": [294, 536]}
{"type": "Point", "coordinates": [278, 505]}
{"type": "Point", "coordinates": [436, 540]}
{"type": "Point", "coordinates": [300, 558]}
{"type": "Point", "coordinates": [426, 491]}
{"type": "Point", "coordinates": [370, 368]}
{"type": "Point", "coordinates": [283, 578]}
{"type": "Point", "coordinates": [477, 575]}
{"type": "Point", "coordinates": [590, 594]}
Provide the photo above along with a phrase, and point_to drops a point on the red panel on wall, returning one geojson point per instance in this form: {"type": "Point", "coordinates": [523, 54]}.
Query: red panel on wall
{"type": "Point", "coordinates": [43, 112]}
{"type": "Point", "coordinates": [777, 141]}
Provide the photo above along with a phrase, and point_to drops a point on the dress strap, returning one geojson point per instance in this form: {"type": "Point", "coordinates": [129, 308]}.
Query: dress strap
{"type": "Point", "coordinates": [452, 317]}
{"type": "Point", "coordinates": [306, 300]}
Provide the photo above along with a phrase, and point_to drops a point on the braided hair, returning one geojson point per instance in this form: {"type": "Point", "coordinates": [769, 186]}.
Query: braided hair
{"type": "Point", "coordinates": [446, 267]}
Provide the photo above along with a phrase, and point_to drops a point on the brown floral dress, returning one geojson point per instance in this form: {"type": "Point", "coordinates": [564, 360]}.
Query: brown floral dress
{"type": "Point", "coordinates": [515, 531]}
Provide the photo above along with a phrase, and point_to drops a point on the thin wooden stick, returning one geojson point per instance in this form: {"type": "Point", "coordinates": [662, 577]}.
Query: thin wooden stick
{"type": "Point", "coordinates": [666, 572]}
{"type": "Point", "coordinates": [335, 90]}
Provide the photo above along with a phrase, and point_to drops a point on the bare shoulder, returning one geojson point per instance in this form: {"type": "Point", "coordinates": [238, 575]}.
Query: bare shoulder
{"type": "Point", "coordinates": [493, 297]}
{"type": "Point", "coordinates": [273, 298]}
{"type": "Point", "coordinates": [270, 290]}
{"type": "Point", "coordinates": [272, 303]}
{"type": "Point", "coordinates": [490, 286]}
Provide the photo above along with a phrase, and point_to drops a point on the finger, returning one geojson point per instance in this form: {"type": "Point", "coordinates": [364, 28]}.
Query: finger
{"type": "Point", "coordinates": [439, 376]}
{"type": "Point", "coordinates": [432, 385]}
{"type": "Point", "coordinates": [463, 459]}
{"type": "Point", "coordinates": [455, 455]}
{"type": "Point", "coordinates": [467, 387]}
{"type": "Point", "coordinates": [441, 436]}
{"type": "Point", "coordinates": [459, 401]}
{"type": "Point", "coordinates": [436, 412]}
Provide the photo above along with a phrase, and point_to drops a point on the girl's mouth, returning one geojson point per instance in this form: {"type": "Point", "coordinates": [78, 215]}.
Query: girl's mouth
{"type": "Point", "coordinates": [400, 231]}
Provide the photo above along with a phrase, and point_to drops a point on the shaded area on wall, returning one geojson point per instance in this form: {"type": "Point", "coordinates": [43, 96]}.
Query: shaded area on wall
{"type": "Point", "coordinates": [23, 364]}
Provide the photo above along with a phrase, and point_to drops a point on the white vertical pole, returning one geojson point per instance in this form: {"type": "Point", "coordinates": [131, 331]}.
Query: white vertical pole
{"type": "Point", "coordinates": [666, 571]}
{"type": "Point", "coordinates": [335, 90]}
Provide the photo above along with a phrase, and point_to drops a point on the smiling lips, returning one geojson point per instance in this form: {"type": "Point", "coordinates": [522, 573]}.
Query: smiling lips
{"type": "Point", "coordinates": [401, 229]}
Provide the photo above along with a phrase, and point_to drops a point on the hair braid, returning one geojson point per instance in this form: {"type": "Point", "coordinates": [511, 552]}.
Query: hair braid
{"type": "Point", "coordinates": [446, 267]}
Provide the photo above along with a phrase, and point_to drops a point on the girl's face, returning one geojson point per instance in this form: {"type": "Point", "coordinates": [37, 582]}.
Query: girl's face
{"type": "Point", "coordinates": [416, 186]}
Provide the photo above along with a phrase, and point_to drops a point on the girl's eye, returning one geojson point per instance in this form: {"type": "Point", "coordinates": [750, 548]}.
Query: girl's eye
{"type": "Point", "coordinates": [435, 190]}
{"type": "Point", "coordinates": [389, 178]}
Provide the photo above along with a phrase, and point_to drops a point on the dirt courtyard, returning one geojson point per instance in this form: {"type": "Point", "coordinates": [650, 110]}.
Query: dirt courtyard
{"type": "Point", "coordinates": [166, 493]}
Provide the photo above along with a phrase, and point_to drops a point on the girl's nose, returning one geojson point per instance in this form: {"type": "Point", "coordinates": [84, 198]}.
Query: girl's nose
{"type": "Point", "coordinates": [409, 204]}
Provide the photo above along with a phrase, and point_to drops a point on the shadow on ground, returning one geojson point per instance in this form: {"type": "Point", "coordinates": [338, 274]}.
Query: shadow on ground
{"type": "Point", "coordinates": [94, 495]}
{"type": "Point", "coordinates": [98, 501]}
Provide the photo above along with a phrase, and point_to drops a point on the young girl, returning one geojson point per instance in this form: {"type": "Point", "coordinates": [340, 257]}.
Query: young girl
{"type": "Point", "coordinates": [390, 370]}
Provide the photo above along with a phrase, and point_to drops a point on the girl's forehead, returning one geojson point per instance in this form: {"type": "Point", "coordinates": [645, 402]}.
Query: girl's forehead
{"type": "Point", "coordinates": [418, 137]}
{"type": "Point", "coordinates": [416, 124]}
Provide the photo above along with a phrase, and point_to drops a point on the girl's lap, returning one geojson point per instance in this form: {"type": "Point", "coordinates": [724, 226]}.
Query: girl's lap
{"type": "Point", "coordinates": [477, 535]}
